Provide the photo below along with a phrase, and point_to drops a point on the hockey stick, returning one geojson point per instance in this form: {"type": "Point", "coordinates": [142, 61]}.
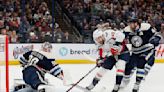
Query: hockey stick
{"type": "Point", "coordinates": [91, 59]}
{"type": "Point", "coordinates": [86, 90]}
{"type": "Point", "coordinates": [92, 69]}
{"type": "Point", "coordinates": [88, 73]}
{"type": "Point", "coordinates": [82, 88]}
{"type": "Point", "coordinates": [81, 79]}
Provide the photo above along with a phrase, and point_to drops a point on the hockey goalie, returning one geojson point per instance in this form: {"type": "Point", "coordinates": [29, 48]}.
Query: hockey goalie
{"type": "Point", "coordinates": [35, 65]}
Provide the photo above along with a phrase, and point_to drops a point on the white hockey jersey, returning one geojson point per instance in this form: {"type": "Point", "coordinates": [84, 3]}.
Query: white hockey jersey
{"type": "Point", "coordinates": [111, 37]}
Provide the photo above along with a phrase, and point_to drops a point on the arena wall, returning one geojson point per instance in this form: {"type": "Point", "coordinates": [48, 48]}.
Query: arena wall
{"type": "Point", "coordinates": [72, 53]}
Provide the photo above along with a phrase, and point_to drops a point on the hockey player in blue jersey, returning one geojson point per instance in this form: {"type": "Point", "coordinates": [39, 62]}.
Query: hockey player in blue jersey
{"type": "Point", "coordinates": [112, 44]}
{"type": "Point", "coordinates": [36, 64]}
{"type": "Point", "coordinates": [143, 38]}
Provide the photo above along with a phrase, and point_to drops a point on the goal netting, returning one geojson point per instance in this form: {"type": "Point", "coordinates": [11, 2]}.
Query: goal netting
{"type": "Point", "coordinates": [4, 80]}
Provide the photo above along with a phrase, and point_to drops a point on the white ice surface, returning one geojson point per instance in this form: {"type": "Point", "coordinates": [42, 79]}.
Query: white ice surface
{"type": "Point", "coordinates": [154, 81]}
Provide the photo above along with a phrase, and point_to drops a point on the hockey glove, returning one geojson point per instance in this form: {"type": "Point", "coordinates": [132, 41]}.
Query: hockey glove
{"type": "Point", "coordinates": [115, 50]}
{"type": "Point", "coordinates": [99, 61]}
{"type": "Point", "coordinates": [155, 40]}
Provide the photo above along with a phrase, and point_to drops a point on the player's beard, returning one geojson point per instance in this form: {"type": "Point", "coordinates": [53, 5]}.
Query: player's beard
{"type": "Point", "coordinates": [102, 42]}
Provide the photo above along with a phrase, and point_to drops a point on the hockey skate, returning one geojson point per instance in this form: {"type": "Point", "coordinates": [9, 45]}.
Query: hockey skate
{"type": "Point", "coordinates": [90, 87]}
{"type": "Point", "coordinates": [136, 87]}
{"type": "Point", "coordinates": [93, 84]}
{"type": "Point", "coordinates": [116, 88]}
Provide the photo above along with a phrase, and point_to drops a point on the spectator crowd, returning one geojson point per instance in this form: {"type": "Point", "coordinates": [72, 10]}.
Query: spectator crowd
{"type": "Point", "coordinates": [88, 13]}
{"type": "Point", "coordinates": [28, 21]}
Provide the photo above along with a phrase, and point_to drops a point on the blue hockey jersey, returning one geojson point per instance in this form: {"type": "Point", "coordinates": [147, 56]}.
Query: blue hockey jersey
{"type": "Point", "coordinates": [143, 39]}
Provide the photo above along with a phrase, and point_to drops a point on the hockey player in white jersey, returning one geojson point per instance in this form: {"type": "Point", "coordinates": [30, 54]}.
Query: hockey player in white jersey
{"type": "Point", "coordinates": [35, 65]}
{"type": "Point", "coordinates": [112, 43]}
{"type": "Point", "coordinates": [144, 39]}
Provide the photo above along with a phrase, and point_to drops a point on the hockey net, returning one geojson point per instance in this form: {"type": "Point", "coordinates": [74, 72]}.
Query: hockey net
{"type": "Point", "coordinates": [4, 80]}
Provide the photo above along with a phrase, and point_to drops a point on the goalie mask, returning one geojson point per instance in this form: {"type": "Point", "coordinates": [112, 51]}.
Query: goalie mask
{"type": "Point", "coordinates": [47, 47]}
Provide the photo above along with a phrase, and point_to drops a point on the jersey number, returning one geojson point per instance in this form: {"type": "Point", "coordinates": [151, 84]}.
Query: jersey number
{"type": "Point", "coordinates": [33, 60]}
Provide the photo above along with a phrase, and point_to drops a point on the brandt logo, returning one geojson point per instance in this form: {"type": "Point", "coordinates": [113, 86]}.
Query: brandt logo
{"type": "Point", "coordinates": [63, 51]}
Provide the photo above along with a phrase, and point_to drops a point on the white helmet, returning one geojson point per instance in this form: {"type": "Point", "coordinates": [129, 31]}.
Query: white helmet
{"type": "Point", "coordinates": [46, 46]}
{"type": "Point", "coordinates": [97, 33]}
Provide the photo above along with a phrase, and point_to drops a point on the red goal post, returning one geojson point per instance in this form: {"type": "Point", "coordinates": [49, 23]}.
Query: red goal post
{"type": "Point", "coordinates": [4, 64]}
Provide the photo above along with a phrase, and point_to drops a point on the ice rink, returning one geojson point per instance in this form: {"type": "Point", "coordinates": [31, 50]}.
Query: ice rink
{"type": "Point", "coordinates": [154, 81]}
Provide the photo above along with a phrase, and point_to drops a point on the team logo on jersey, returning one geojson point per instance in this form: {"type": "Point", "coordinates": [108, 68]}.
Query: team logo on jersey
{"type": "Point", "coordinates": [136, 41]}
{"type": "Point", "coordinates": [63, 51]}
